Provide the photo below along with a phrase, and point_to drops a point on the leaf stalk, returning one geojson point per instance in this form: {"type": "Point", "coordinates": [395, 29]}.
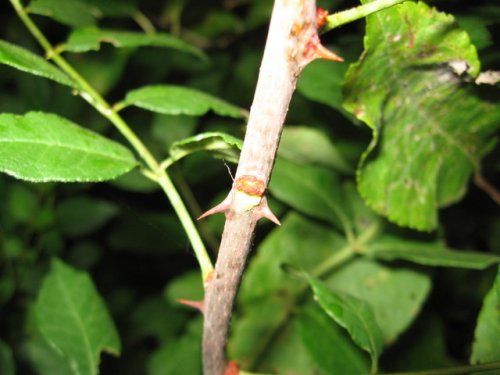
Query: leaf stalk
{"type": "Point", "coordinates": [155, 171]}
{"type": "Point", "coordinates": [341, 18]}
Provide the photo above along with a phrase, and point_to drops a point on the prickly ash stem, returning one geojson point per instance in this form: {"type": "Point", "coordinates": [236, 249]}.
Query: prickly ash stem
{"type": "Point", "coordinates": [292, 42]}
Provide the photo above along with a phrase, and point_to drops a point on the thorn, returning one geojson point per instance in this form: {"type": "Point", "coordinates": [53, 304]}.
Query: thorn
{"type": "Point", "coordinates": [263, 210]}
{"type": "Point", "coordinates": [324, 53]}
{"type": "Point", "coordinates": [222, 207]}
{"type": "Point", "coordinates": [315, 50]}
{"type": "Point", "coordinates": [198, 305]}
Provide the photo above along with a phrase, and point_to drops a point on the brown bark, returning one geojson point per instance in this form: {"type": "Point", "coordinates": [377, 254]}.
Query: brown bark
{"type": "Point", "coordinates": [292, 42]}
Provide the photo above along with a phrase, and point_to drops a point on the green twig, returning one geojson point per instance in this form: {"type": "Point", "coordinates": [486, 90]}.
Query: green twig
{"type": "Point", "coordinates": [144, 22]}
{"type": "Point", "coordinates": [154, 171]}
{"type": "Point", "coordinates": [353, 14]}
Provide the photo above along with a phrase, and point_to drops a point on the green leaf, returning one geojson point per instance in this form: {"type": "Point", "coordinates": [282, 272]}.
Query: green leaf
{"type": "Point", "coordinates": [477, 28]}
{"type": "Point", "coordinates": [90, 39]}
{"type": "Point", "coordinates": [321, 81]}
{"type": "Point", "coordinates": [395, 295]}
{"type": "Point", "coordinates": [497, 284]}
{"type": "Point", "coordinates": [218, 23]}
{"type": "Point", "coordinates": [313, 190]}
{"type": "Point", "coordinates": [427, 348]}
{"type": "Point", "coordinates": [430, 128]}
{"type": "Point", "coordinates": [306, 145]}
{"type": "Point", "coordinates": [78, 216]}
{"type": "Point", "coordinates": [168, 129]}
{"type": "Point", "coordinates": [112, 8]}
{"type": "Point", "coordinates": [326, 343]}
{"type": "Point", "coordinates": [147, 233]}
{"type": "Point", "coordinates": [179, 357]}
{"type": "Point", "coordinates": [73, 13]}
{"type": "Point", "coordinates": [73, 318]}
{"type": "Point", "coordinates": [220, 145]}
{"type": "Point", "coordinates": [258, 325]}
{"type": "Point", "coordinates": [188, 286]}
{"type": "Point", "coordinates": [429, 254]}
{"type": "Point", "coordinates": [42, 147]}
{"type": "Point", "coordinates": [485, 347]}
{"type": "Point", "coordinates": [156, 318]}
{"type": "Point", "coordinates": [22, 203]}
{"type": "Point", "coordinates": [27, 61]}
{"type": "Point", "coordinates": [267, 295]}
{"type": "Point", "coordinates": [178, 100]}
{"type": "Point", "coordinates": [45, 358]}
{"type": "Point", "coordinates": [7, 365]}
{"type": "Point", "coordinates": [254, 327]}
{"type": "Point", "coordinates": [136, 182]}
{"type": "Point", "coordinates": [355, 315]}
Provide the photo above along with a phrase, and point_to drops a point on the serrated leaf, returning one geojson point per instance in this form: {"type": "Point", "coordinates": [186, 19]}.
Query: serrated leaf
{"type": "Point", "coordinates": [28, 62]}
{"type": "Point", "coordinates": [178, 100]}
{"type": "Point", "coordinates": [430, 129]}
{"type": "Point", "coordinates": [90, 39]}
{"type": "Point", "coordinates": [485, 347]}
{"type": "Point", "coordinates": [220, 145]}
{"type": "Point", "coordinates": [313, 190]}
{"type": "Point", "coordinates": [290, 356]}
{"type": "Point", "coordinates": [42, 147]}
{"type": "Point", "coordinates": [429, 254]}
{"type": "Point", "coordinates": [73, 13]}
{"type": "Point", "coordinates": [266, 289]}
{"type": "Point", "coordinates": [354, 314]}
{"type": "Point", "coordinates": [306, 145]}
{"type": "Point", "coordinates": [73, 318]}
{"type": "Point", "coordinates": [327, 344]}
{"type": "Point", "coordinates": [396, 295]}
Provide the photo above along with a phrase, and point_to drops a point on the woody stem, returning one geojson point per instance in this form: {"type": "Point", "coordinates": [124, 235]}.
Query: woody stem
{"type": "Point", "coordinates": [292, 27]}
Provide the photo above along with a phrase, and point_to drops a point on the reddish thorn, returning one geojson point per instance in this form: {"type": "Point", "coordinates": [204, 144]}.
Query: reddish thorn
{"type": "Point", "coordinates": [222, 207]}
{"type": "Point", "coordinates": [321, 15]}
{"type": "Point", "coordinates": [198, 305]}
{"type": "Point", "coordinates": [263, 210]}
{"type": "Point", "coordinates": [315, 50]}
{"type": "Point", "coordinates": [232, 368]}
{"type": "Point", "coordinates": [324, 53]}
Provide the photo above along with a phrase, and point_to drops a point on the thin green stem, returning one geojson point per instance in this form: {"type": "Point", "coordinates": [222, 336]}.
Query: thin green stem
{"type": "Point", "coordinates": [144, 22]}
{"type": "Point", "coordinates": [154, 171]}
{"type": "Point", "coordinates": [335, 260]}
{"type": "Point", "coordinates": [353, 14]}
{"type": "Point", "coordinates": [459, 370]}
{"type": "Point", "coordinates": [191, 231]}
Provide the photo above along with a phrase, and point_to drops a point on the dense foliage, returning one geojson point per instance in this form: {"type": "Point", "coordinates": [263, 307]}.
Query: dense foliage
{"type": "Point", "coordinates": [387, 257]}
